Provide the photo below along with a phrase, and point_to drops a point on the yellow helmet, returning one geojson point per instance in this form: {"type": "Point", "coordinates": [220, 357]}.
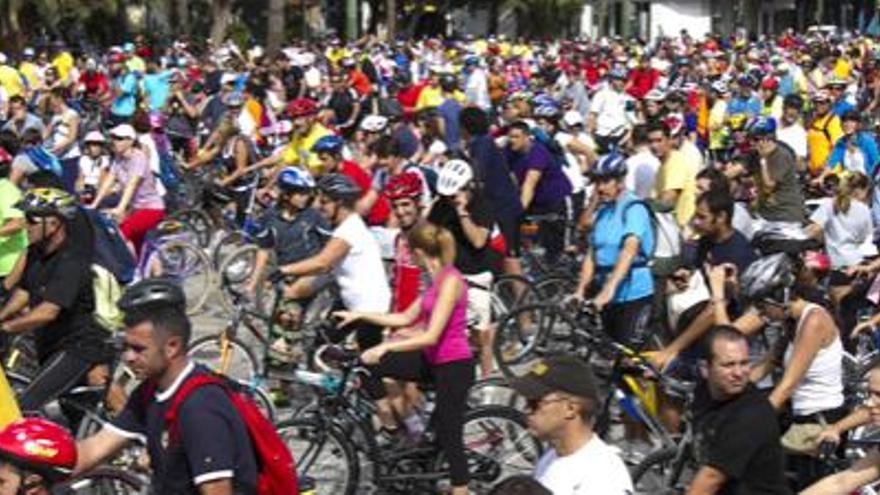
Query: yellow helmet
{"type": "Point", "coordinates": [47, 201]}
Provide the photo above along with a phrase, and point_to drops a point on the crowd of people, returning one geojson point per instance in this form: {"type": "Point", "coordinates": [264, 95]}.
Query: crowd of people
{"type": "Point", "coordinates": [712, 190]}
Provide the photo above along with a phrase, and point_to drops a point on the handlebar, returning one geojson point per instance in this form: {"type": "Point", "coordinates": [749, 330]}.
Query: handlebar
{"type": "Point", "coordinates": [344, 358]}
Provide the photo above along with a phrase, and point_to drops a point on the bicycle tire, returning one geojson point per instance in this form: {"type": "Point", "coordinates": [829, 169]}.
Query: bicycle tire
{"type": "Point", "coordinates": [659, 459]}
{"type": "Point", "coordinates": [506, 295]}
{"type": "Point", "coordinates": [237, 268]}
{"type": "Point", "coordinates": [314, 433]}
{"type": "Point", "coordinates": [206, 350]}
{"type": "Point", "coordinates": [105, 480]}
{"type": "Point", "coordinates": [228, 244]}
{"type": "Point", "coordinates": [532, 332]}
{"type": "Point", "coordinates": [199, 222]}
{"type": "Point", "coordinates": [177, 265]}
{"type": "Point", "coordinates": [492, 426]}
{"type": "Point", "coordinates": [495, 390]}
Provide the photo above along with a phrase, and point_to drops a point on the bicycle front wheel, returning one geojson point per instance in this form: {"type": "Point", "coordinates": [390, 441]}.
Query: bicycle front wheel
{"type": "Point", "coordinates": [532, 332]}
{"type": "Point", "coordinates": [187, 265]}
{"type": "Point", "coordinates": [322, 453]}
{"type": "Point", "coordinates": [661, 472]}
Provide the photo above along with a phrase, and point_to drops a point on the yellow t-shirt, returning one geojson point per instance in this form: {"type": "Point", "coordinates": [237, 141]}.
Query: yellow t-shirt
{"type": "Point", "coordinates": [31, 72]}
{"type": "Point", "coordinates": [679, 173]}
{"type": "Point", "coordinates": [63, 62]}
{"type": "Point", "coordinates": [11, 81]}
{"type": "Point", "coordinates": [820, 142]}
{"type": "Point", "coordinates": [717, 119]}
{"type": "Point", "coordinates": [299, 151]}
{"type": "Point", "coordinates": [136, 64]}
{"type": "Point", "coordinates": [429, 97]}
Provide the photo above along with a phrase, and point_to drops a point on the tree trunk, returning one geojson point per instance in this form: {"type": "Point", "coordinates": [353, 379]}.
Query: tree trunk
{"type": "Point", "coordinates": [494, 12]}
{"type": "Point", "coordinates": [222, 10]}
{"type": "Point", "coordinates": [276, 27]}
{"type": "Point", "coordinates": [182, 14]}
{"type": "Point", "coordinates": [391, 18]}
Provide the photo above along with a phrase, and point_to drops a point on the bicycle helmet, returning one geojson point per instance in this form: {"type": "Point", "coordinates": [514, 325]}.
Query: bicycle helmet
{"type": "Point", "coordinates": [793, 101]}
{"type": "Point", "coordinates": [720, 87]}
{"type": "Point", "coordinates": [770, 83]}
{"type": "Point", "coordinates": [768, 278]}
{"type": "Point", "coordinates": [302, 107]}
{"type": "Point", "coordinates": [374, 123]}
{"type": "Point", "coordinates": [612, 165]}
{"type": "Point", "coordinates": [547, 112]}
{"type": "Point", "coordinates": [407, 185]}
{"type": "Point", "coordinates": [762, 126]}
{"type": "Point", "coordinates": [339, 187]}
{"type": "Point", "coordinates": [40, 446]}
{"type": "Point", "coordinates": [151, 292]}
{"type": "Point", "coordinates": [293, 179]}
{"type": "Point", "coordinates": [48, 202]}
{"type": "Point", "coordinates": [329, 144]}
{"type": "Point", "coordinates": [453, 177]}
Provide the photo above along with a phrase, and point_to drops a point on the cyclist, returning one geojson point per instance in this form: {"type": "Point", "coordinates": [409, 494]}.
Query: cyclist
{"type": "Point", "coordinates": [34, 455]}
{"type": "Point", "coordinates": [404, 192]}
{"type": "Point", "coordinates": [439, 354]}
{"type": "Point", "coordinates": [214, 455]}
{"type": "Point", "coordinates": [622, 241]}
{"type": "Point", "coordinates": [563, 399]}
{"type": "Point", "coordinates": [352, 253]}
{"type": "Point", "coordinates": [293, 231]}
{"type": "Point", "coordinates": [56, 288]}
{"type": "Point", "coordinates": [13, 235]}
{"type": "Point", "coordinates": [738, 442]}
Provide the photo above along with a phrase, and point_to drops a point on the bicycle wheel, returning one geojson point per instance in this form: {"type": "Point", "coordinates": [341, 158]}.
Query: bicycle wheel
{"type": "Point", "coordinates": [199, 222]}
{"type": "Point", "coordinates": [240, 361]}
{"type": "Point", "coordinates": [554, 288]}
{"type": "Point", "coordinates": [661, 472]}
{"type": "Point", "coordinates": [186, 264]}
{"type": "Point", "coordinates": [510, 292]}
{"type": "Point", "coordinates": [228, 244]}
{"type": "Point", "coordinates": [106, 481]}
{"type": "Point", "coordinates": [323, 453]}
{"type": "Point", "coordinates": [498, 445]}
{"type": "Point", "coordinates": [235, 272]}
{"type": "Point", "coordinates": [495, 390]}
{"type": "Point", "coordinates": [532, 332]}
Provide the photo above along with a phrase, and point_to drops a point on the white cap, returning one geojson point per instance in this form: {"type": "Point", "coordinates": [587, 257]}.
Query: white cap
{"type": "Point", "coordinates": [94, 137]}
{"type": "Point", "coordinates": [124, 131]}
{"type": "Point", "coordinates": [3, 58]}
{"type": "Point", "coordinates": [228, 77]}
{"type": "Point", "coordinates": [374, 123]}
{"type": "Point", "coordinates": [573, 118]}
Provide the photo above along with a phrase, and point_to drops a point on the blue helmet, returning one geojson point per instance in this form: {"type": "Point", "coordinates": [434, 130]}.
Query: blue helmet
{"type": "Point", "coordinates": [762, 126]}
{"type": "Point", "coordinates": [328, 144]}
{"type": "Point", "coordinates": [547, 111]}
{"type": "Point", "coordinates": [293, 179]}
{"type": "Point", "coordinates": [612, 165]}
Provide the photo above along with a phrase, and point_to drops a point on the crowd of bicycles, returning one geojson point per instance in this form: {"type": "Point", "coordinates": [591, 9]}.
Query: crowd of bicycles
{"type": "Point", "coordinates": [477, 265]}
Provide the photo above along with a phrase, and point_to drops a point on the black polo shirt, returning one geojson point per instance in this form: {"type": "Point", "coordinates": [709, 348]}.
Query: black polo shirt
{"type": "Point", "coordinates": [64, 278]}
{"type": "Point", "coordinates": [213, 442]}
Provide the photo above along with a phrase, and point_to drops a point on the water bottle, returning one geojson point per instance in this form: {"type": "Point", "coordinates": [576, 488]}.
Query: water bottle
{"type": "Point", "coordinates": [321, 380]}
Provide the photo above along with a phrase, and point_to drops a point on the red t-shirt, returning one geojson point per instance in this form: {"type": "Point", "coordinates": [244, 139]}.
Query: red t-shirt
{"type": "Point", "coordinates": [407, 275]}
{"type": "Point", "coordinates": [380, 211]}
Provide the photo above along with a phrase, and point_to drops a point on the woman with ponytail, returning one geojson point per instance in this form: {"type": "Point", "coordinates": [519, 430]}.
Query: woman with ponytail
{"type": "Point", "coordinates": [439, 353]}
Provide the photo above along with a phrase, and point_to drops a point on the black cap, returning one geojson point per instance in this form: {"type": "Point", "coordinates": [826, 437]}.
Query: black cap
{"type": "Point", "coordinates": [850, 115]}
{"type": "Point", "coordinates": [557, 374]}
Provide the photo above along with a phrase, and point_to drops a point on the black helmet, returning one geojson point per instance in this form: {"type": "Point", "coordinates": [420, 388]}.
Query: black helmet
{"type": "Point", "coordinates": [47, 201]}
{"type": "Point", "coordinates": [159, 291]}
{"type": "Point", "coordinates": [339, 187]}
{"type": "Point", "coordinates": [767, 278]}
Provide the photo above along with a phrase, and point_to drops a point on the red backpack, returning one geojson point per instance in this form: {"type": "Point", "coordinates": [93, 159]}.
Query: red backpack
{"type": "Point", "coordinates": [276, 471]}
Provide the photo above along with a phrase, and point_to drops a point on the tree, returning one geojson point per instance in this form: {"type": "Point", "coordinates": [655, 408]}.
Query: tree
{"type": "Point", "coordinates": [276, 27]}
{"type": "Point", "coordinates": [222, 18]}
{"type": "Point", "coordinates": [391, 18]}
{"type": "Point", "coordinates": [182, 14]}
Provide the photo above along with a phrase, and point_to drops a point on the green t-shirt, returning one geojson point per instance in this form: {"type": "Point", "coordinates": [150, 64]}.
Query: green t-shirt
{"type": "Point", "coordinates": [11, 246]}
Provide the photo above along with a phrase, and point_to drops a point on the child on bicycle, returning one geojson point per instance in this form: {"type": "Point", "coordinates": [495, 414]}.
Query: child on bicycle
{"type": "Point", "coordinates": [34, 454]}
{"type": "Point", "coordinates": [292, 231]}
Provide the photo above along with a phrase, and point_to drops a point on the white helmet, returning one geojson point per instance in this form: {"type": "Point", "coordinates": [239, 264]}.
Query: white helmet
{"type": "Point", "coordinates": [374, 123]}
{"type": "Point", "coordinates": [453, 177]}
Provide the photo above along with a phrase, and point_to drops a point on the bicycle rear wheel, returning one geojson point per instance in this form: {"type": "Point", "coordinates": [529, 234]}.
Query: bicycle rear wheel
{"type": "Point", "coordinates": [322, 453]}
{"type": "Point", "coordinates": [199, 222]}
{"type": "Point", "coordinates": [532, 332]}
{"type": "Point", "coordinates": [186, 264]}
{"type": "Point", "coordinates": [661, 472]}
{"type": "Point", "coordinates": [106, 481]}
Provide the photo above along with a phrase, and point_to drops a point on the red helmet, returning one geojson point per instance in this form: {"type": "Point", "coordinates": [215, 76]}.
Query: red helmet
{"type": "Point", "coordinates": [302, 107]}
{"type": "Point", "coordinates": [117, 58]}
{"type": "Point", "coordinates": [770, 83]}
{"type": "Point", "coordinates": [405, 185]}
{"type": "Point", "coordinates": [817, 260]}
{"type": "Point", "coordinates": [38, 445]}
{"type": "Point", "coordinates": [5, 157]}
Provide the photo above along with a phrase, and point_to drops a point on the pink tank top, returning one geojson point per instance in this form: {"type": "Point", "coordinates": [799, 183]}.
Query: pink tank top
{"type": "Point", "coordinates": [453, 344]}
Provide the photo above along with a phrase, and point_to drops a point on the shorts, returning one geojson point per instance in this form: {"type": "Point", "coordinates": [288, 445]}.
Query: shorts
{"type": "Point", "coordinates": [512, 237]}
{"type": "Point", "coordinates": [479, 304]}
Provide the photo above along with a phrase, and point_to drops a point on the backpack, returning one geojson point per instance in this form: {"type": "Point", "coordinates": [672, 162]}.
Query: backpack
{"type": "Point", "coordinates": [668, 243]}
{"type": "Point", "coordinates": [107, 291]}
{"type": "Point", "coordinates": [111, 251]}
{"type": "Point", "coordinates": [276, 471]}
{"type": "Point", "coordinates": [169, 174]}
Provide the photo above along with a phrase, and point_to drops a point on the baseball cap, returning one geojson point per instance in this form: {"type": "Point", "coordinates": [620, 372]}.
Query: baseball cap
{"type": "Point", "coordinates": [124, 131]}
{"type": "Point", "coordinates": [821, 95]}
{"type": "Point", "coordinates": [557, 374]}
{"type": "Point", "coordinates": [573, 118]}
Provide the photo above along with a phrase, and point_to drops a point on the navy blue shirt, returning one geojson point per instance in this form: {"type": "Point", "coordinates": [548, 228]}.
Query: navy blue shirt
{"type": "Point", "coordinates": [736, 250]}
{"type": "Point", "coordinates": [295, 239]}
{"type": "Point", "coordinates": [214, 443]}
{"type": "Point", "coordinates": [409, 142]}
{"type": "Point", "coordinates": [491, 169]}
{"type": "Point", "coordinates": [449, 110]}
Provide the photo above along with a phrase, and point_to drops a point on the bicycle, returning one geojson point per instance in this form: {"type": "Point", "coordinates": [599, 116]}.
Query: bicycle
{"type": "Point", "coordinates": [328, 441]}
{"type": "Point", "coordinates": [105, 480]}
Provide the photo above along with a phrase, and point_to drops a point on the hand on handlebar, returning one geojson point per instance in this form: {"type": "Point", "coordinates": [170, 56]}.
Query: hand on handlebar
{"type": "Point", "coordinates": [374, 354]}
{"type": "Point", "coordinates": [345, 318]}
{"type": "Point", "coordinates": [827, 436]}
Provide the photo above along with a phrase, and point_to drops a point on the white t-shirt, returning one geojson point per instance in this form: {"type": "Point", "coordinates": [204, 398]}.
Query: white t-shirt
{"type": "Point", "coordinates": [845, 233]}
{"type": "Point", "coordinates": [61, 130]}
{"type": "Point", "coordinates": [90, 169]}
{"type": "Point", "coordinates": [595, 469]}
{"type": "Point", "coordinates": [612, 118]}
{"type": "Point", "coordinates": [363, 284]}
{"type": "Point", "coordinates": [641, 171]}
{"type": "Point", "coordinates": [796, 137]}
{"type": "Point", "coordinates": [572, 167]}
{"type": "Point", "coordinates": [148, 146]}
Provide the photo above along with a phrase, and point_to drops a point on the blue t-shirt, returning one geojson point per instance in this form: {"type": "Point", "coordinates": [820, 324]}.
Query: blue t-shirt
{"type": "Point", "coordinates": [449, 110]}
{"type": "Point", "coordinates": [614, 223]}
{"type": "Point", "coordinates": [157, 88]}
{"type": "Point", "coordinates": [749, 106]}
{"type": "Point", "coordinates": [125, 104]}
{"type": "Point", "coordinates": [490, 167]}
